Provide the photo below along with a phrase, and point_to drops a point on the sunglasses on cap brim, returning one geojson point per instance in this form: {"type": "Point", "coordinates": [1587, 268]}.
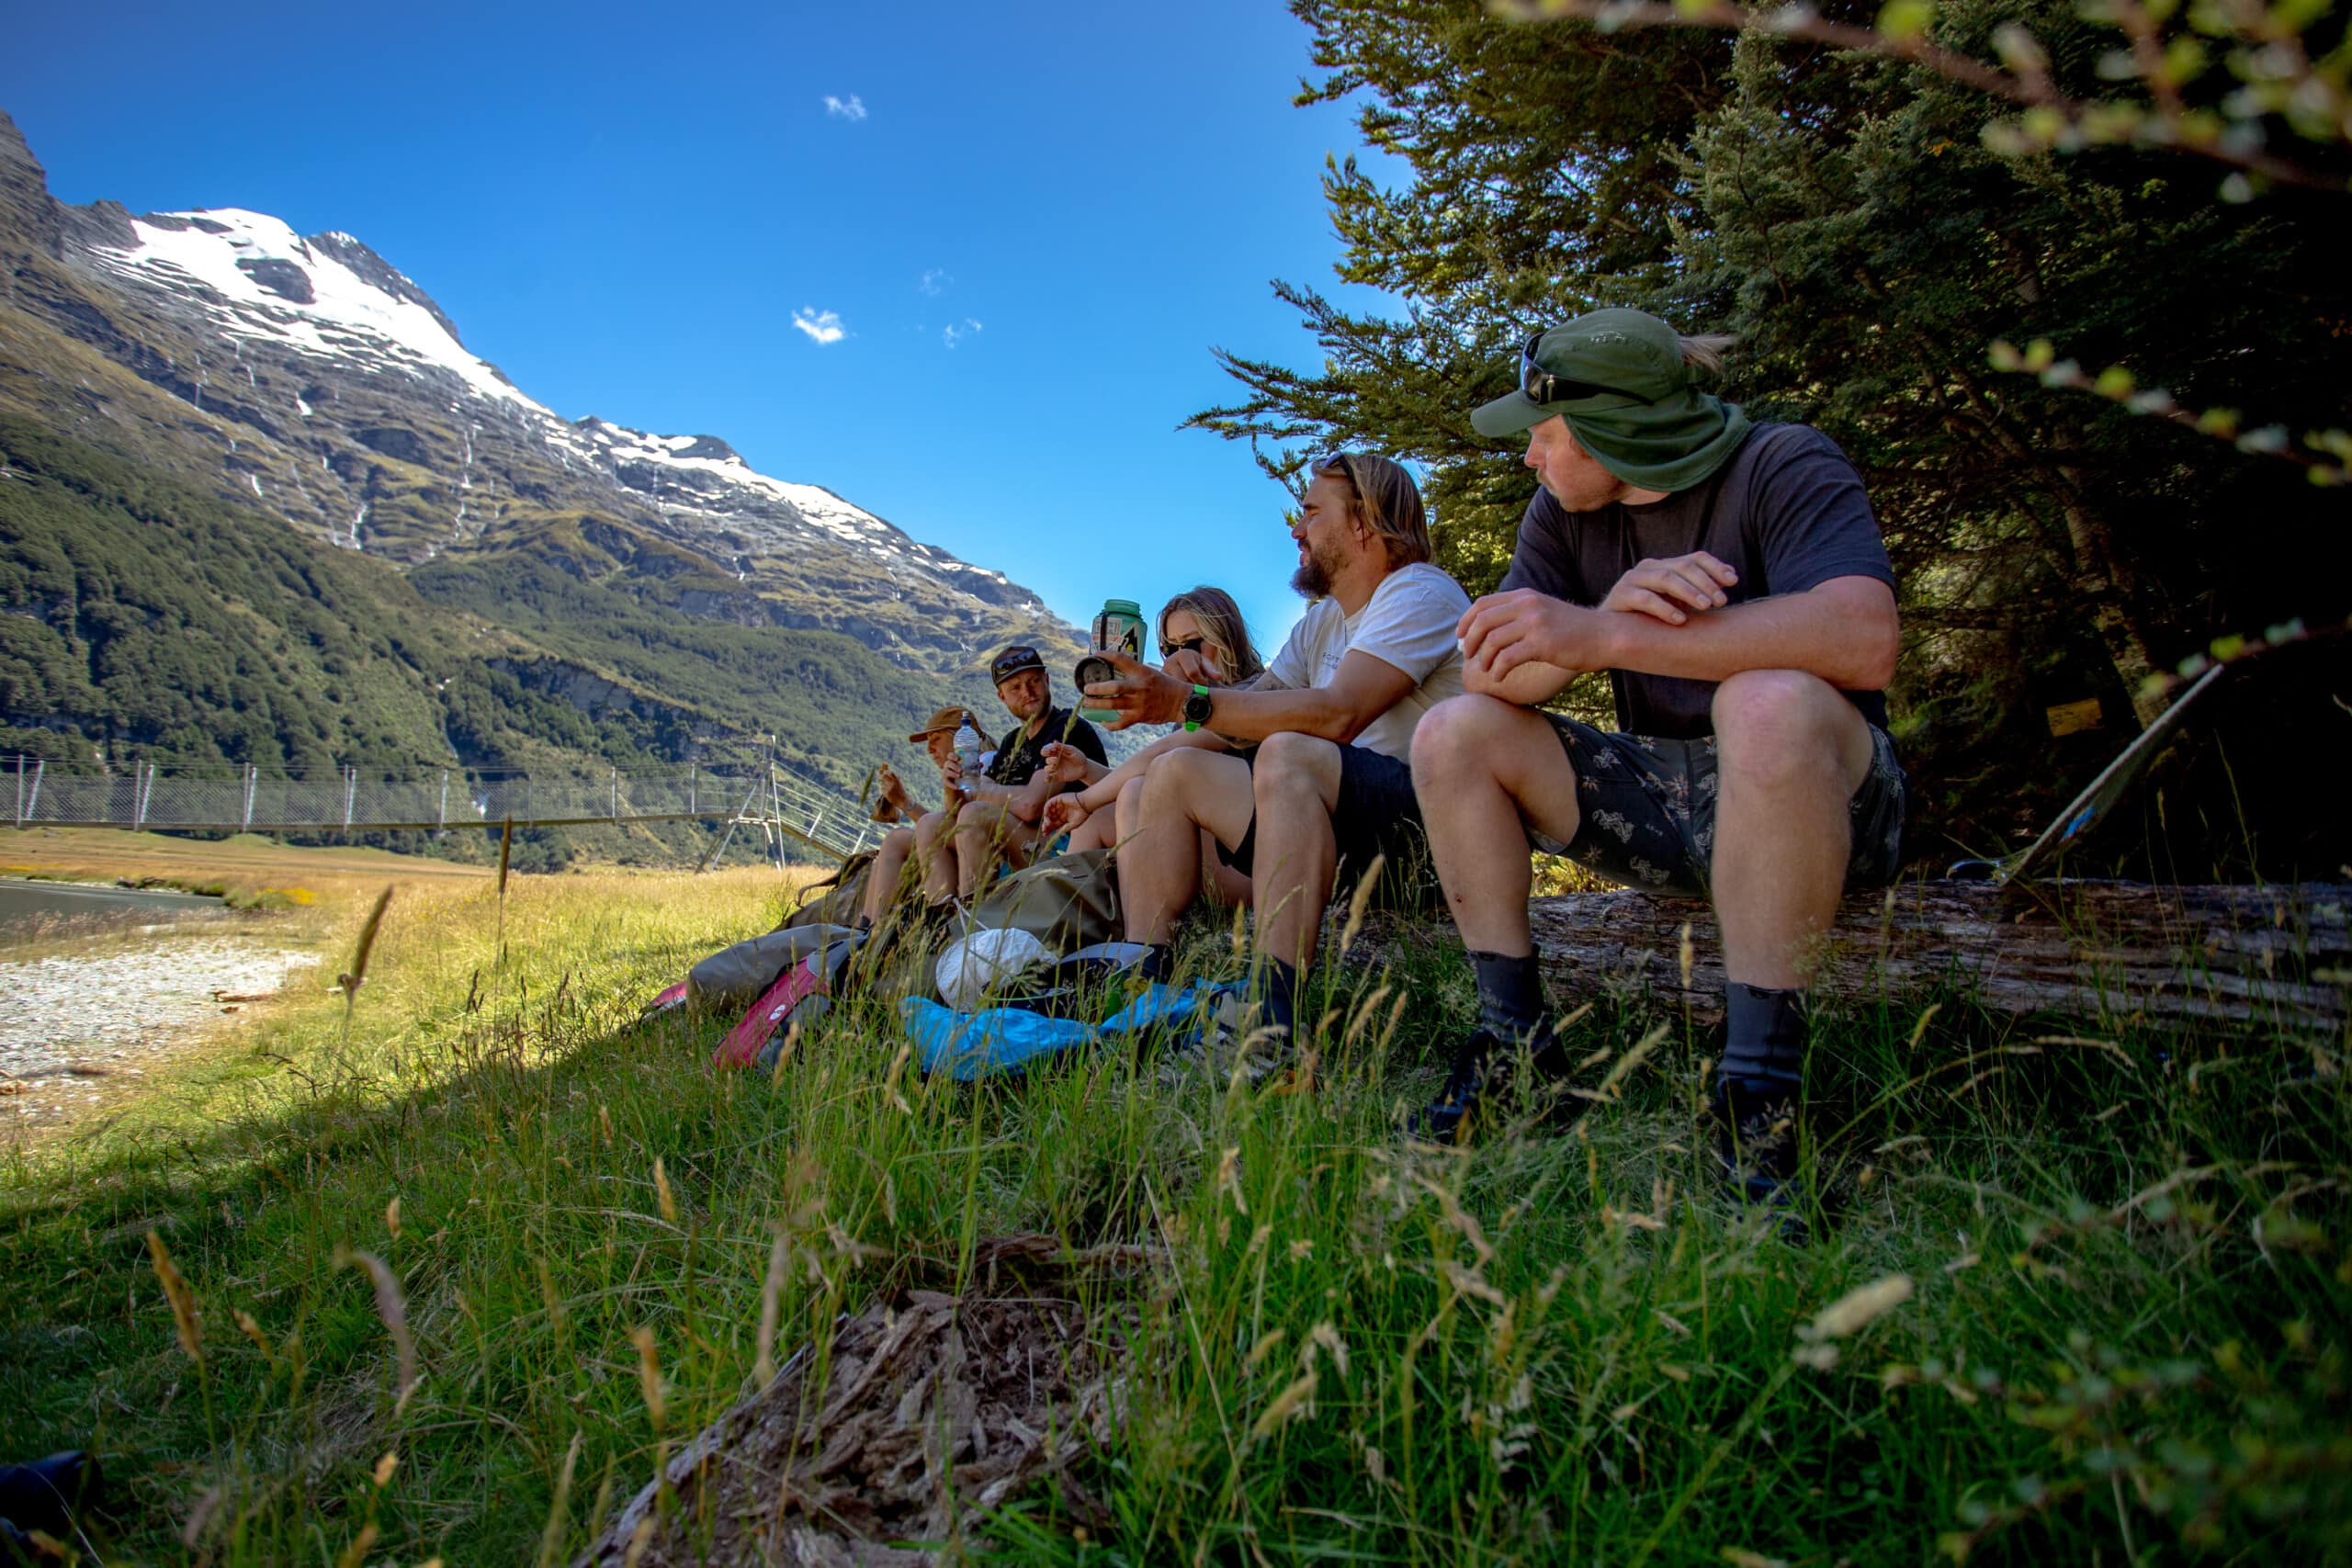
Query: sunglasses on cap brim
{"type": "Point", "coordinates": [1539, 386]}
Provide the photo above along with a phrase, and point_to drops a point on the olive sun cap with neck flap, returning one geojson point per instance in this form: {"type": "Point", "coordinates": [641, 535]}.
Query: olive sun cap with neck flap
{"type": "Point", "coordinates": [1643, 419]}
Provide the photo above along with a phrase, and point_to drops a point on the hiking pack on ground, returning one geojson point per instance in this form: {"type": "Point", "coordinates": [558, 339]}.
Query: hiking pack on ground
{"type": "Point", "coordinates": [1064, 909]}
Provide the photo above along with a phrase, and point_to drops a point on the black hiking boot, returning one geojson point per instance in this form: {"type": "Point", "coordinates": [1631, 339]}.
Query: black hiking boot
{"type": "Point", "coordinates": [1484, 1066]}
{"type": "Point", "coordinates": [1757, 1132]}
{"type": "Point", "coordinates": [48, 1495]}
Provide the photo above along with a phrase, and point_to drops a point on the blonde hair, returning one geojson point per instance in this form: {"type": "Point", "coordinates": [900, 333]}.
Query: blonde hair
{"type": "Point", "coordinates": [1385, 499]}
{"type": "Point", "coordinates": [1705, 352]}
{"type": "Point", "coordinates": [1227, 634]}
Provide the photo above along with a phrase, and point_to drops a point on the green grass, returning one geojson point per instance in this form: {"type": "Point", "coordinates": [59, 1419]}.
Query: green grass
{"type": "Point", "coordinates": [2126, 1340]}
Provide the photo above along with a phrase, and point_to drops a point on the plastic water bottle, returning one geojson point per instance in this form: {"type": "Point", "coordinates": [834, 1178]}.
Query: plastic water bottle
{"type": "Point", "coordinates": [968, 751]}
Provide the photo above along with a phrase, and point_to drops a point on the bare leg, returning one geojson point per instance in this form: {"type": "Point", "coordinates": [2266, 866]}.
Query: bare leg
{"type": "Point", "coordinates": [1160, 864]}
{"type": "Point", "coordinates": [982, 831]}
{"type": "Point", "coordinates": [1484, 769]}
{"type": "Point", "coordinates": [889, 865]}
{"type": "Point", "coordinates": [1792, 751]}
{"type": "Point", "coordinates": [1016, 847]}
{"type": "Point", "coordinates": [1298, 784]}
{"type": "Point", "coordinates": [1128, 810]}
{"type": "Point", "coordinates": [935, 851]}
{"type": "Point", "coordinates": [1099, 831]}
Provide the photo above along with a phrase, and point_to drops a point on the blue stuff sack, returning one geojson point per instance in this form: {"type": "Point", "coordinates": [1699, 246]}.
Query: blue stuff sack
{"type": "Point", "coordinates": [970, 1047]}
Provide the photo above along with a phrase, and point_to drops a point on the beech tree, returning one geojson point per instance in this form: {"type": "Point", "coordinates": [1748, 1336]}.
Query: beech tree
{"type": "Point", "coordinates": [1839, 189]}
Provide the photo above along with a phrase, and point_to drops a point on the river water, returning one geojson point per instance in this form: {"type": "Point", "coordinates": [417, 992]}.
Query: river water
{"type": "Point", "coordinates": [24, 903]}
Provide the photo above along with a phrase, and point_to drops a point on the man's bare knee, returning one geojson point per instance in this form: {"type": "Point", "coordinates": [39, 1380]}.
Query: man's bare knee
{"type": "Point", "coordinates": [1469, 736]}
{"type": "Point", "coordinates": [1468, 744]}
{"type": "Point", "coordinates": [1782, 728]}
{"type": "Point", "coordinates": [1174, 782]}
{"type": "Point", "coordinates": [1291, 764]}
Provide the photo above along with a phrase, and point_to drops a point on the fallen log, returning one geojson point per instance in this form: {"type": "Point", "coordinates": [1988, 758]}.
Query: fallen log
{"type": "Point", "coordinates": [2116, 953]}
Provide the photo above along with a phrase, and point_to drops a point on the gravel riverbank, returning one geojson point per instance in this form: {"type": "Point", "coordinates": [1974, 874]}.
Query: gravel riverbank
{"type": "Point", "coordinates": [68, 1021]}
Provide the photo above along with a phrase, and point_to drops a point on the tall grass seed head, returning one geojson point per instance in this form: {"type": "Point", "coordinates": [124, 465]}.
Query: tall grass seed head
{"type": "Point", "coordinates": [649, 1373]}
{"type": "Point", "coordinates": [662, 1193]}
{"type": "Point", "coordinates": [183, 1299]}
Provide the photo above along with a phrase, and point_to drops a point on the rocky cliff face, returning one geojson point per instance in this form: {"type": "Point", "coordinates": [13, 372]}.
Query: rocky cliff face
{"type": "Point", "coordinates": [308, 377]}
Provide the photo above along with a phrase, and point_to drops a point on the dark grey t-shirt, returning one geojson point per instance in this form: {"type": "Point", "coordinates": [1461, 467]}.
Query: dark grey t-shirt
{"type": "Point", "coordinates": [1786, 511]}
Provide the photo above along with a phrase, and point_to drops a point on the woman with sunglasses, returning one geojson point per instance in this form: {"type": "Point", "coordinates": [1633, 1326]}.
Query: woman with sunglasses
{"type": "Point", "coordinates": [1203, 638]}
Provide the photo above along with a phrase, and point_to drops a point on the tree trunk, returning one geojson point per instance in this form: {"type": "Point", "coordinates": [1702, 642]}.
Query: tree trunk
{"type": "Point", "coordinates": [2101, 582]}
{"type": "Point", "coordinates": [2111, 953]}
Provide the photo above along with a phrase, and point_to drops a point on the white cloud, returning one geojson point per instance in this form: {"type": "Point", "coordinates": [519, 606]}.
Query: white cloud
{"type": "Point", "coordinates": [954, 335]}
{"type": "Point", "coordinates": [824, 326]}
{"type": "Point", "coordinates": [933, 279]}
{"type": "Point", "coordinates": [850, 107]}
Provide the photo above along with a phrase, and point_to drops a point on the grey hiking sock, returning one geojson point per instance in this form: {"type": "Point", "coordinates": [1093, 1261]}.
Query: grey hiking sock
{"type": "Point", "coordinates": [1510, 997]}
{"type": "Point", "coordinates": [1765, 1033]}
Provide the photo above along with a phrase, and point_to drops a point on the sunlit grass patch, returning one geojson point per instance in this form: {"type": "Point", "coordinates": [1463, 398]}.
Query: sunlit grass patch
{"type": "Point", "coordinates": [2122, 1327]}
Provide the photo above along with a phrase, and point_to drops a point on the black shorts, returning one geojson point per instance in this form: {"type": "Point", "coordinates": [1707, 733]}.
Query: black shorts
{"type": "Point", "coordinates": [1376, 814]}
{"type": "Point", "coordinates": [1645, 810]}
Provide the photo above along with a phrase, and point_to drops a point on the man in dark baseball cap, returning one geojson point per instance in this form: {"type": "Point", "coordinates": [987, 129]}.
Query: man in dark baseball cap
{"type": "Point", "coordinates": [992, 819]}
{"type": "Point", "coordinates": [1730, 576]}
{"type": "Point", "coordinates": [1011, 662]}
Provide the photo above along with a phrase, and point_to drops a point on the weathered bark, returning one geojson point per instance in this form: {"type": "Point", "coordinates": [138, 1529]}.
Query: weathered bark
{"type": "Point", "coordinates": [2265, 958]}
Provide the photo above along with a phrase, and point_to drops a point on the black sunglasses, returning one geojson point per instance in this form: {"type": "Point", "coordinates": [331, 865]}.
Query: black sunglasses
{"type": "Point", "coordinates": [1012, 661]}
{"type": "Point", "coordinates": [1541, 386]}
{"type": "Point", "coordinates": [1187, 644]}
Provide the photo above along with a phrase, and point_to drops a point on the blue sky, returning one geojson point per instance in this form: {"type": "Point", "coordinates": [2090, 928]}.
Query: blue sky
{"type": "Point", "coordinates": [1029, 222]}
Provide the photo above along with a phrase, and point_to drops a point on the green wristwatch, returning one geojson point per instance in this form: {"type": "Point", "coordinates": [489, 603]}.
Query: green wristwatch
{"type": "Point", "coordinates": [1196, 708]}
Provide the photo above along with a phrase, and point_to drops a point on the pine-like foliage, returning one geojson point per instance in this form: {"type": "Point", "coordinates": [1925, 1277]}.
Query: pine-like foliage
{"type": "Point", "coordinates": [1843, 216]}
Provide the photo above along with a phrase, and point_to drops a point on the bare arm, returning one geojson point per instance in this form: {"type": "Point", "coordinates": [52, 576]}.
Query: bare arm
{"type": "Point", "coordinates": [1846, 631]}
{"type": "Point", "coordinates": [1363, 689]}
{"type": "Point", "coordinates": [1529, 684]}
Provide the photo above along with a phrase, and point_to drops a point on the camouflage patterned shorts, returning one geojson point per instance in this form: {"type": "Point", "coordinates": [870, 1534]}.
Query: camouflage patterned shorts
{"type": "Point", "coordinates": [1647, 811]}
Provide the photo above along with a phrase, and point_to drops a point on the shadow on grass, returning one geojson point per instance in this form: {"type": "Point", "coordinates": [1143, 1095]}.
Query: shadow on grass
{"type": "Point", "coordinates": [2126, 1317]}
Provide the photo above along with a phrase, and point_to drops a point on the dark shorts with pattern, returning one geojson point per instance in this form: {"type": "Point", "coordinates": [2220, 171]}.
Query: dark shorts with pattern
{"type": "Point", "coordinates": [1376, 814]}
{"type": "Point", "coordinates": [1646, 810]}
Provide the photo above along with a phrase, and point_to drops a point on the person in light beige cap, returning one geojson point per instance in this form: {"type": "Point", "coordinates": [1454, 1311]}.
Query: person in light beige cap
{"type": "Point", "coordinates": [894, 803]}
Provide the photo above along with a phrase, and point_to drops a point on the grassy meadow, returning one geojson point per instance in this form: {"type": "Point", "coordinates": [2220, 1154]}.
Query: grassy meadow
{"type": "Point", "coordinates": [463, 1265]}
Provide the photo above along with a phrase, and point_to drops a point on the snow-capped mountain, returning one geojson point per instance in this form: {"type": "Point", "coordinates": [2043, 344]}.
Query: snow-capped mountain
{"type": "Point", "coordinates": [328, 298]}
{"type": "Point", "coordinates": [311, 377]}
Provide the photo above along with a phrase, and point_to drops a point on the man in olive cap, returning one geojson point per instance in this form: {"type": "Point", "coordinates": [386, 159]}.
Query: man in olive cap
{"type": "Point", "coordinates": [1731, 578]}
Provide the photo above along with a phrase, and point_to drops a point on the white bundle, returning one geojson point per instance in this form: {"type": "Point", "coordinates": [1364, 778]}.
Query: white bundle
{"type": "Point", "coordinates": [974, 965]}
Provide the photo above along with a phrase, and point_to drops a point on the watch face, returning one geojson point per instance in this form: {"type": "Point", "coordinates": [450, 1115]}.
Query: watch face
{"type": "Point", "coordinates": [1196, 708]}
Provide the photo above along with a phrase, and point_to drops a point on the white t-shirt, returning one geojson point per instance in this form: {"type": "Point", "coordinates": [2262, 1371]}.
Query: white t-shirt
{"type": "Point", "coordinates": [1409, 622]}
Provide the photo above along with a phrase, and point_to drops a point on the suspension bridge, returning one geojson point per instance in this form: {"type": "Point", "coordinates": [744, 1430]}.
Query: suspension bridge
{"type": "Point", "coordinates": [782, 802]}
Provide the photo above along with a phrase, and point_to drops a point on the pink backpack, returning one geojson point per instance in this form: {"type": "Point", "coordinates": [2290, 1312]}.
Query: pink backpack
{"type": "Point", "coordinates": [796, 985]}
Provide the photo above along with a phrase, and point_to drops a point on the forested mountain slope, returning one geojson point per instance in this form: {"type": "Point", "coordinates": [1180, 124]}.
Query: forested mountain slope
{"type": "Point", "coordinates": [263, 507]}
{"type": "Point", "coordinates": [145, 618]}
